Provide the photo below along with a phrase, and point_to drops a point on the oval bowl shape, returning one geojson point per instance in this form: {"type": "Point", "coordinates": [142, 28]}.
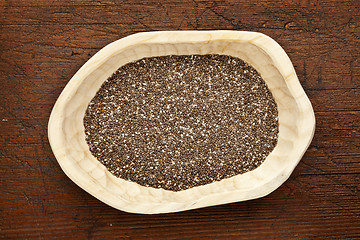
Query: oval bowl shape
{"type": "Point", "coordinates": [296, 120]}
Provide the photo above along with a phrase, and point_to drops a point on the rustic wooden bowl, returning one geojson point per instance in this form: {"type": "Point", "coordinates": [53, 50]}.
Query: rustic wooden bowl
{"type": "Point", "coordinates": [296, 120]}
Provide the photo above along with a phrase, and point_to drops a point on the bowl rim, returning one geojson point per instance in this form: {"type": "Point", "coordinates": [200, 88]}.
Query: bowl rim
{"type": "Point", "coordinates": [262, 41]}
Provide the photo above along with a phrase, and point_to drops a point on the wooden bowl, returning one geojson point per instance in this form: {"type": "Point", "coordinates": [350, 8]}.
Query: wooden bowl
{"type": "Point", "coordinates": [296, 120]}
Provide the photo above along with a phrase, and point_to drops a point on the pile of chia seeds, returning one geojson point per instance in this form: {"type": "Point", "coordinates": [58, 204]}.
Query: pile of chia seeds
{"type": "Point", "coordinates": [177, 122]}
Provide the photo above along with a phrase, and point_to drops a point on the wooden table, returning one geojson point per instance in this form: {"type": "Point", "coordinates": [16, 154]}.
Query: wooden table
{"type": "Point", "coordinates": [43, 43]}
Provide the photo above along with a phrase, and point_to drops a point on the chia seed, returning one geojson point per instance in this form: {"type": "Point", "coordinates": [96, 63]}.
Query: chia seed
{"type": "Point", "coordinates": [177, 122]}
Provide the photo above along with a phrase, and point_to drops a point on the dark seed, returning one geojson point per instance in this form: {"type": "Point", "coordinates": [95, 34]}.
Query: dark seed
{"type": "Point", "coordinates": [176, 122]}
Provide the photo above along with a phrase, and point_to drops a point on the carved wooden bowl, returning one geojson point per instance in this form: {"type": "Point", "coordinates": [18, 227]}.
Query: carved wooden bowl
{"type": "Point", "coordinates": [296, 120]}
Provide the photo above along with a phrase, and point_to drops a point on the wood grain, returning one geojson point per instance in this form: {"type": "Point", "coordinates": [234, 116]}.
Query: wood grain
{"type": "Point", "coordinates": [43, 43]}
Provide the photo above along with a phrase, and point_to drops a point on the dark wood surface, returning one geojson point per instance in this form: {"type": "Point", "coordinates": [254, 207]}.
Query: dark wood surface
{"type": "Point", "coordinates": [43, 43]}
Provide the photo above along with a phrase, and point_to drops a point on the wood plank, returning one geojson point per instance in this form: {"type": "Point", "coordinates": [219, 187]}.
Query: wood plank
{"type": "Point", "coordinates": [43, 43]}
{"type": "Point", "coordinates": [316, 63]}
{"type": "Point", "coordinates": [325, 154]}
{"type": "Point", "coordinates": [318, 215]}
